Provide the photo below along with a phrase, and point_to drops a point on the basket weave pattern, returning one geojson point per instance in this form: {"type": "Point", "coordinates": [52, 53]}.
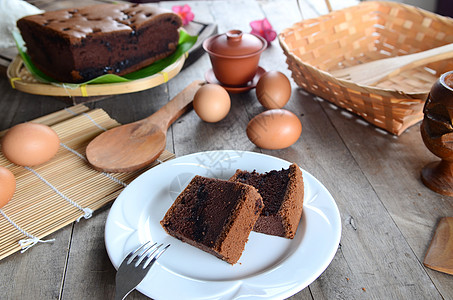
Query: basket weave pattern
{"type": "Point", "coordinates": [364, 33]}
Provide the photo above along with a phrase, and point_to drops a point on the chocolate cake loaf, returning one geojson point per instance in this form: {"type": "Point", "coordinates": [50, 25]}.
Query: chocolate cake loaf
{"type": "Point", "coordinates": [283, 195]}
{"type": "Point", "coordinates": [79, 44]}
{"type": "Point", "coordinates": [214, 215]}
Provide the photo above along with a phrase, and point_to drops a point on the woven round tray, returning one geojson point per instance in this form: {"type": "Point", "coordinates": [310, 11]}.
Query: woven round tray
{"type": "Point", "coordinates": [364, 33]}
{"type": "Point", "coordinates": [22, 80]}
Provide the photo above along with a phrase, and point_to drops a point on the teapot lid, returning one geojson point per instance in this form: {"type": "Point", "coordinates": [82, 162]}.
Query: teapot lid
{"type": "Point", "coordinates": [235, 43]}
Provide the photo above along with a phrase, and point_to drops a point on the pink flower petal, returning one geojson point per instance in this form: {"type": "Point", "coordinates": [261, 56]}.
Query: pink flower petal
{"type": "Point", "coordinates": [185, 12]}
{"type": "Point", "coordinates": [264, 29]}
{"type": "Point", "coordinates": [186, 8]}
{"type": "Point", "coordinates": [270, 35]}
{"type": "Point", "coordinates": [176, 9]}
{"type": "Point", "coordinates": [256, 25]}
{"type": "Point", "coordinates": [266, 25]}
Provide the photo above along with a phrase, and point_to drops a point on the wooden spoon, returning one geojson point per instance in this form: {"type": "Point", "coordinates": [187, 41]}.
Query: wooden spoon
{"type": "Point", "coordinates": [375, 71]}
{"type": "Point", "coordinates": [132, 146]}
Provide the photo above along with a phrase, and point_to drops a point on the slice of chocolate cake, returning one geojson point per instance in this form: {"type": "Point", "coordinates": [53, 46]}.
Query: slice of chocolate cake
{"type": "Point", "coordinates": [283, 195]}
{"type": "Point", "coordinates": [79, 44]}
{"type": "Point", "coordinates": [214, 215]}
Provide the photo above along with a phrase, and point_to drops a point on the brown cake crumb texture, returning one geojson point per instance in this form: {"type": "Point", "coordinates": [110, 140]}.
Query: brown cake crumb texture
{"type": "Point", "coordinates": [214, 215]}
{"type": "Point", "coordinates": [76, 45]}
{"type": "Point", "coordinates": [283, 195]}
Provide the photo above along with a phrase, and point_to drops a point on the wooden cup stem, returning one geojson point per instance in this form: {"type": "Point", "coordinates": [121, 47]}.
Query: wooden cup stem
{"type": "Point", "coordinates": [438, 176]}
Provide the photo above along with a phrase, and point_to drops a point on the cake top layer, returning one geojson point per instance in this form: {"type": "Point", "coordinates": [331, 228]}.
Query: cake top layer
{"type": "Point", "coordinates": [271, 186]}
{"type": "Point", "coordinates": [205, 208]}
{"type": "Point", "coordinates": [101, 18]}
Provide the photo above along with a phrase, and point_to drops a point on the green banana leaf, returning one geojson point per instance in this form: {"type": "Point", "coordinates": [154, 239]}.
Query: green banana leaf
{"type": "Point", "coordinates": [186, 42]}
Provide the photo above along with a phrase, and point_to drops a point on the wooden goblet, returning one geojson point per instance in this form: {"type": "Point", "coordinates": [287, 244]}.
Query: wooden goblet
{"type": "Point", "coordinates": [437, 133]}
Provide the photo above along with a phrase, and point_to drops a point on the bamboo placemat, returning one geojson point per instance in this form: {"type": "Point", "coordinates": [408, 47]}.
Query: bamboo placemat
{"type": "Point", "coordinates": [65, 189]}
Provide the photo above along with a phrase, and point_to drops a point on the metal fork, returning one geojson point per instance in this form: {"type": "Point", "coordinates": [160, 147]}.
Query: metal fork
{"type": "Point", "coordinates": [135, 267]}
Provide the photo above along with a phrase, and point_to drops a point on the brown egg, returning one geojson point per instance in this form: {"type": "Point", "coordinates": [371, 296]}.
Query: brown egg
{"type": "Point", "coordinates": [273, 90]}
{"type": "Point", "coordinates": [7, 186]}
{"type": "Point", "coordinates": [211, 103]}
{"type": "Point", "coordinates": [274, 129]}
{"type": "Point", "coordinates": [30, 144]}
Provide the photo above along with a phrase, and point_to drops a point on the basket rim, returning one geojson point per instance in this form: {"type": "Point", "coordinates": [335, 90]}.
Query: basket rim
{"type": "Point", "coordinates": [376, 3]}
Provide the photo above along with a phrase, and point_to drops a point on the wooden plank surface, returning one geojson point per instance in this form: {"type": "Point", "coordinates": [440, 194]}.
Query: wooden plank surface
{"type": "Point", "coordinates": [388, 216]}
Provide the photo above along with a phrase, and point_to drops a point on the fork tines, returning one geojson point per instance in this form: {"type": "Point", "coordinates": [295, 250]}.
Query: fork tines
{"type": "Point", "coordinates": [135, 266]}
{"type": "Point", "coordinates": [147, 251]}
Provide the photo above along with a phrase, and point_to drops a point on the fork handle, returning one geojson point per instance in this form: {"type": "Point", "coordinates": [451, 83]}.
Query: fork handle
{"type": "Point", "coordinates": [121, 294]}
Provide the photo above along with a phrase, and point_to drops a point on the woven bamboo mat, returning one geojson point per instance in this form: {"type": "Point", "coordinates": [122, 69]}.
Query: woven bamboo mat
{"type": "Point", "coordinates": [65, 189]}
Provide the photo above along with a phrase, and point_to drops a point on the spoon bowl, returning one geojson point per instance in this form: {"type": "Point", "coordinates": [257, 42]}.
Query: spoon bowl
{"type": "Point", "coordinates": [133, 146]}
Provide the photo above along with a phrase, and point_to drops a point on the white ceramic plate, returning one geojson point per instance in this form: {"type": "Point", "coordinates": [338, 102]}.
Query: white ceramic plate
{"type": "Point", "coordinates": [270, 267]}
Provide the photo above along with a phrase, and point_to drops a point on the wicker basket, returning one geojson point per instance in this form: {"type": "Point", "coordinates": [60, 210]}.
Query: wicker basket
{"type": "Point", "coordinates": [364, 33]}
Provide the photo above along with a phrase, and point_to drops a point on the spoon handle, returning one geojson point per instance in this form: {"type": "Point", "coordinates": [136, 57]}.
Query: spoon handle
{"type": "Point", "coordinates": [415, 60]}
{"type": "Point", "coordinates": [171, 111]}
{"type": "Point", "coordinates": [375, 71]}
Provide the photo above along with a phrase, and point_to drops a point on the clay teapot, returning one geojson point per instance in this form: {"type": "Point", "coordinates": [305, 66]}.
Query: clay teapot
{"type": "Point", "coordinates": [234, 56]}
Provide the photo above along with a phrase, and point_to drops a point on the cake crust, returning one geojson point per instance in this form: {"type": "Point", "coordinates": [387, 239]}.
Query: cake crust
{"type": "Point", "coordinates": [76, 45]}
{"type": "Point", "coordinates": [214, 215]}
{"type": "Point", "coordinates": [283, 195]}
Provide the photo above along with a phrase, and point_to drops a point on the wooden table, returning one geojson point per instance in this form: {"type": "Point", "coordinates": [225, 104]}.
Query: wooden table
{"type": "Point", "coordinates": [388, 216]}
